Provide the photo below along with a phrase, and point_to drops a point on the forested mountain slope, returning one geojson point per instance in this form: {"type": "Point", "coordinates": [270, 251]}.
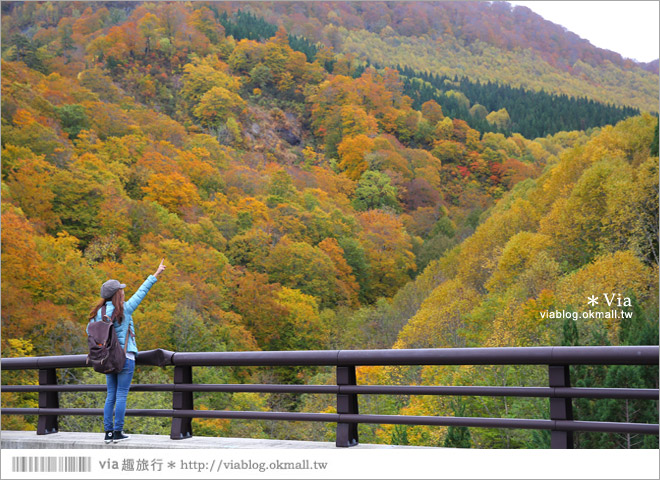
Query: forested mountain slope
{"type": "Point", "coordinates": [301, 200]}
{"type": "Point", "coordinates": [484, 41]}
{"type": "Point", "coordinates": [586, 227]}
{"type": "Point", "coordinates": [269, 183]}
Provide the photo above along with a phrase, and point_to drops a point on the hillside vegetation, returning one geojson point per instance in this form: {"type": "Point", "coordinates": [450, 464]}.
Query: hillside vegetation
{"type": "Point", "coordinates": [480, 61]}
{"type": "Point", "coordinates": [587, 226]}
{"type": "Point", "coordinates": [301, 202]}
{"type": "Point", "coordinates": [484, 41]}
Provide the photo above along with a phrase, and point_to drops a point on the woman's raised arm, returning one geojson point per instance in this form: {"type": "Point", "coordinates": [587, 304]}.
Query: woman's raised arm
{"type": "Point", "coordinates": [135, 300]}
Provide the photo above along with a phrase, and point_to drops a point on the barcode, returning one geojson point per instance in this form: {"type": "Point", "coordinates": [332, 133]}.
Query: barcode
{"type": "Point", "coordinates": [51, 464]}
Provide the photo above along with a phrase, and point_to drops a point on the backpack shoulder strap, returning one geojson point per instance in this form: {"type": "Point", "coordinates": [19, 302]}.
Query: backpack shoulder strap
{"type": "Point", "coordinates": [103, 315]}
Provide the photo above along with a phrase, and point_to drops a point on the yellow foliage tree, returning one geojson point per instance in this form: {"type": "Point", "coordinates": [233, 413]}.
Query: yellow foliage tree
{"type": "Point", "coordinates": [617, 275]}
{"type": "Point", "coordinates": [352, 152]}
{"type": "Point", "coordinates": [174, 191]}
{"type": "Point", "coordinates": [442, 320]}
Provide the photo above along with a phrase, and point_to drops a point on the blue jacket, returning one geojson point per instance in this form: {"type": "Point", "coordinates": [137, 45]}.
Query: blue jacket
{"type": "Point", "coordinates": [129, 307]}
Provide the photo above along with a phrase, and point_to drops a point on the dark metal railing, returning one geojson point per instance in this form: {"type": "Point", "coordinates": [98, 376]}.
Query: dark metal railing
{"type": "Point", "coordinates": [559, 392]}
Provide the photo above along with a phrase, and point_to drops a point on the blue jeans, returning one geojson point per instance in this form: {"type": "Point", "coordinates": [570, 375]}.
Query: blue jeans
{"type": "Point", "coordinates": [118, 385]}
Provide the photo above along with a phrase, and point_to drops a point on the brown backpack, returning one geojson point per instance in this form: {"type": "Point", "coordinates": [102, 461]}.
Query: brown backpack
{"type": "Point", "coordinates": [105, 352]}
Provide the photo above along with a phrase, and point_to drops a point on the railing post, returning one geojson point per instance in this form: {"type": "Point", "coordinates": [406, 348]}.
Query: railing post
{"type": "Point", "coordinates": [560, 408]}
{"type": "Point", "coordinates": [182, 427]}
{"type": "Point", "coordinates": [48, 423]}
{"type": "Point", "coordinates": [347, 433]}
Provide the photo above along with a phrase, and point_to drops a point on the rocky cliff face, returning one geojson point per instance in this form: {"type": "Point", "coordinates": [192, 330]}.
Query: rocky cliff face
{"type": "Point", "coordinates": [275, 131]}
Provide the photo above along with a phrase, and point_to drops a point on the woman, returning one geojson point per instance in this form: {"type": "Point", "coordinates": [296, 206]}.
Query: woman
{"type": "Point", "coordinates": [121, 313]}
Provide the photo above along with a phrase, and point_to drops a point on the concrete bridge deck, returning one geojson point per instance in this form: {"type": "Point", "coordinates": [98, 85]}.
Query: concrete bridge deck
{"type": "Point", "coordinates": [17, 439]}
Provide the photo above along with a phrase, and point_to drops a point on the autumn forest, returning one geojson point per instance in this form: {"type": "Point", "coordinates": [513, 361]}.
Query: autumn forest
{"type": "Point", "coordinates": [310, 191]}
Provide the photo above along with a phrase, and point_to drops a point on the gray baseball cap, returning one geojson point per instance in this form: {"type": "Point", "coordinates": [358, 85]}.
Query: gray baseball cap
{"type": "Point", "coordinates": [109, 288]}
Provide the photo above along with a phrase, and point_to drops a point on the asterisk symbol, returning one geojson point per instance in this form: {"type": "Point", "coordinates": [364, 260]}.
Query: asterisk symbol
{"type": "Point", "coordinates": [171, 465]}
{"type": "Point", "coordinates": [593, 300]}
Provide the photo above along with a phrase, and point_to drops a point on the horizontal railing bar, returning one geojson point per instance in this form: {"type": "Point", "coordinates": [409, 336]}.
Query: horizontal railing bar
{"type": "Point", "coordinates": [180, 387]}
{"type": "Point", "coordinates": [449, 421]}
{"type": "Point", "coordinates": [157, 357]}
{"type": "Point", "coordinates": [257, 388]}
{"type": "Point", "coordinates": [19, 411]}
{"type": "Point", "coordinates": [55, 388]}
{"type": "Point", "coordinates": [138, 387]}
{"type": "Point", "coordinates": [286, 416]}
{"type": "Point", "coordinates": [606, 355]}
{"type": "Point", "coordinates": [58, 361]}
{"type": "Point", "coordinates": [596, 355]}
{"type": "Point", "coordinates": [255, 359]}
{"type": "Point", "coordinates": [617, 393]}
{"type": "Point", "coordinates": [451, 390]}
{"type": "Point", "coordinates": [507, 423]}
{"type": "Point", "coordinates": [620, 355]}
{"type": "Point", "coordinates": [550, 392]}
{"type": "Point", "coordinates": [609, 427]}
{"type": "Point", "coordinates": [246, 415]}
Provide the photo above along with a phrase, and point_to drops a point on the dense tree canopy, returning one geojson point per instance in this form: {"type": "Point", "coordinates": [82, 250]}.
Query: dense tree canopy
{"type": "Point", "coordinates": [303, 199]}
